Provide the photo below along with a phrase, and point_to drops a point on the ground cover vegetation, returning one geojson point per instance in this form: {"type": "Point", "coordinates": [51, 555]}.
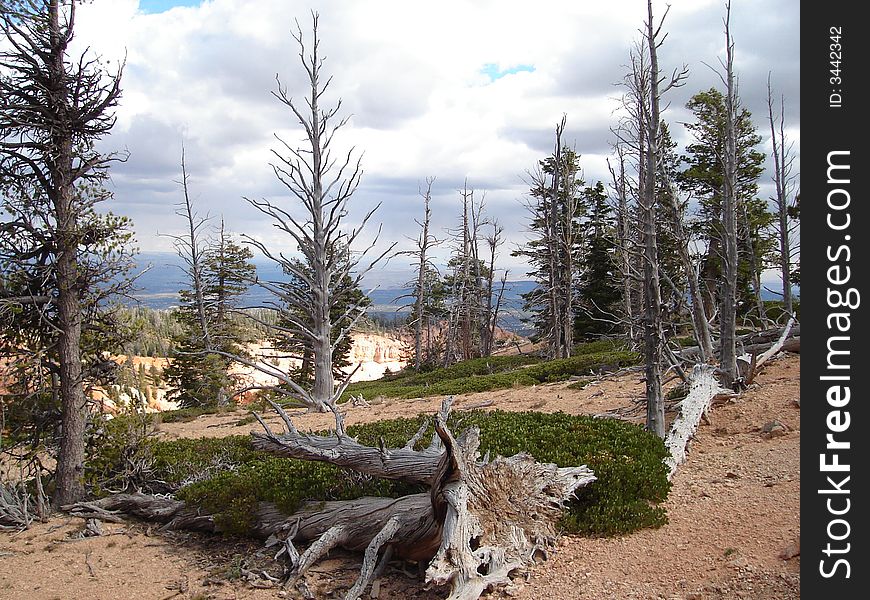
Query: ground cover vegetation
{"type": "Point", "coordinates": [227, 477]}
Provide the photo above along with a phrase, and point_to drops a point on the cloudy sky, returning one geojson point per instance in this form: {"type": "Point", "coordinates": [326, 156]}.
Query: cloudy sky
{"type": "Point", "coordinates": [457, 90]}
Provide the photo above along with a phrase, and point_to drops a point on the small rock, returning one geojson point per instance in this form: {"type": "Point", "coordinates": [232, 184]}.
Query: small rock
{"type": "Point", "coordinates": [731, 475]}
{"type": "Point", "coordinates": [773, 429]}
{"type": "Point", "coordinates": [738, 563]}
{"type": "Point", "coordinates": [790, 551]}
{"type": "Point", "coordinates": [796, 402]}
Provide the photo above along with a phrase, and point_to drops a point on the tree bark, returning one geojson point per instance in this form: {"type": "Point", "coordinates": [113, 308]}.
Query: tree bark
{"type": "Point", "coordinates": [703, 387]}
{"type": "Point", "coordinates": [655, 415]}
{"type": "Point", "coordinates": [71, 457]}
{"type": "Point", "coordinates": [781, 167]}
{"type": "Point", "coordinates": [699, 315]}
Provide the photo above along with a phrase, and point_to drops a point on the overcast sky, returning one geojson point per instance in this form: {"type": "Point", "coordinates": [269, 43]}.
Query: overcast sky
{"type": "Point", "coordinates": [459, 90]}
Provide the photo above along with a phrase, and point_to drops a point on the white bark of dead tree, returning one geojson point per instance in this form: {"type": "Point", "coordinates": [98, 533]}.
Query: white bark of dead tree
{"type": "Point", "coordinates": [702, 390]}
{"type": "Point", "coordinates": [759, 361]}
{"type": "Point", "coordinates": [323, 184]}
{"type": "Point", "coordinates": [478, 525]}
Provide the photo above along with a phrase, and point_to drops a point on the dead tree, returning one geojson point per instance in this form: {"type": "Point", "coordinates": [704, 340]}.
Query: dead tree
{"type": "Point", "coordinates": [493, 299]}
{"type": "Point", "coordinates": [703, 387]}
{"type": "Point", "coordinates": [311, 176]}
{"type": "Point", "coordinates": [784, 181]}
{"type": "Point", "coordinates": [653, 335]}
{"type": "Point", "coordinates": [554, 209]}
{"type": "Point", "coordinates": [700, 322]}
{"type": "Point", "coordinates": [422, 283]}
{"type": "Point", "coordinates": [480, 522]}
{"type": "Point", "coordinates": [425, 242]}
{"type": "Point", "coordinates": [467, 320]}
{"type": "Point", "coordinates": [728, 299]}
{"type": "Point", "coordinates": [640, 132]}
{"type": "Point", "coordinates": [560, 288]}
{"type": "Point", "coordinates": [189, 248]}
{"type": "Point", "coordinates": [620, 186]}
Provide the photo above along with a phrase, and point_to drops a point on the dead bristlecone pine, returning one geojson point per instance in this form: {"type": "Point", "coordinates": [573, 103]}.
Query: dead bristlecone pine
{"type": "Point", "coordinates": [480, 523]}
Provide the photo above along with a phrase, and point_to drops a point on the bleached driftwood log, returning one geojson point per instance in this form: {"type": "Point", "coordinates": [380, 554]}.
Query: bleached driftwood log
{"type": "Point", "coordinates": [703, 388]}
{"type": "Point", "coordinates": [479, 523]}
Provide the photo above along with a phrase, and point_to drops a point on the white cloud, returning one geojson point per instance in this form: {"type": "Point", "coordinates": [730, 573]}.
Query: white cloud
{"type": "Point", "coordinates": [410, 74]}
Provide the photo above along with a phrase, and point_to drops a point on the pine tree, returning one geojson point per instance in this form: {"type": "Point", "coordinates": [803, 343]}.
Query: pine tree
{"type": "Point", "coordinates": [704, 178]}
{"type": "Point", "coordinates": [53, 109]}
{"type": "Point", "coordinates": [599, 290]}
{"type": "Point", "coordinates": [349, 301]}
{"type": "Point", "coordinates": [199, 373]}
{"type": "Point", "coordinates": [555, 250]}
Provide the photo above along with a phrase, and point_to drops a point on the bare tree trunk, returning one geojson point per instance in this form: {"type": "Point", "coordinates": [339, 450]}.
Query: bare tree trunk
{"type": "Point", "coordinates": [494, 240]}
{"type": "Point", "coordinates": [745, 229]}
{"type": "Point", "coordinates": [653, 337]}
{"type": "Point", "coordinates": [702, 389]}
{"type": "Point", "coordinates": [700, 321]}
{"type": "Point", "coordinates": [728, 301]}
{"type": "Point", "coordinates": [324, 191]}
{"type": "Point", "coordinates": [70, 462]}
{"type": "Point", "coordinates": [624, 237]}
{"type": "Point", "coordinates": [556, 288]}
{"type": "Point", "coordinates": [782, 165]}
{"type": "Point", "coordinates": [423, 244]}
{"type": "Point", "coordinates": [567, 243]}
{"type": "Point", "coordinates": [190, 251]}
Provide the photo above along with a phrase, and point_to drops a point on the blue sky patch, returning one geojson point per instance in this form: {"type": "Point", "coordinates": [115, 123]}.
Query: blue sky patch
{"type": "Point", "coordinates": [159, 6]}
{"type": "Point", "coordinates": [492, 71]}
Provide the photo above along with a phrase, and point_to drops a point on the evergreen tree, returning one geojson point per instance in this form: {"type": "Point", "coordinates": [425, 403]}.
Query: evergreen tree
{"type": "Point", "coordinates": [30, 333]}
{"type": "Point", "coordinates": [199, 372]}
{"type": "Point", "coordinates": [671, 270]}
{"type": "Point", "coordinates": [599, 290]}
{"type": "Point", "coordinates": [555, 251]}
{"type": "Point", "coordinates": [704, 178]}
{"type": "Point", "coordinates": [54, 108]}
{"type": "Point", "coordinates": [348, 301]}
{"type": "Point", "coordinates": [431, 290]}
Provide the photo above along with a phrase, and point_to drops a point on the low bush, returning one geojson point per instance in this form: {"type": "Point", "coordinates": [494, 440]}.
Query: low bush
{"type": "Point", "coordinates": [226, 477]}
{"type": "Point", "coordinates": [495, 373]}
{"type": "Point", "coordinates": [183, 415]}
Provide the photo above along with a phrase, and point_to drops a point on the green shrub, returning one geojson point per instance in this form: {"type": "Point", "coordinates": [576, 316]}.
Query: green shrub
{"type": "Point", "coordinates": [226, 477]}
{"type": "Point", "coordinates": [119, 453]}
{"type": "Point", "coordinates": [494, 373]}
{"type": "Point", "coordinates": [580, 384]}
{"type": "Point", "coordinates": [183, 415]}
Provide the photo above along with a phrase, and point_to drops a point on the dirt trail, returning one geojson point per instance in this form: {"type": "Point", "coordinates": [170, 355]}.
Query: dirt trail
{"type": "Point", "coordinates": [734, 517]}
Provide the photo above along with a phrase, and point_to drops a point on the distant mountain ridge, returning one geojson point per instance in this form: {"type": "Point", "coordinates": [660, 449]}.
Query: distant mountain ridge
{"type": "Point", "coordinates": [161, 276]}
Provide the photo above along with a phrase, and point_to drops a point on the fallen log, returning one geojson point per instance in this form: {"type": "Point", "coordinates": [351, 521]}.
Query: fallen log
{"type": "Point", "coordinates": [480, 522]}
{"type": "Point", "coordinates": [703, 388]}
{"type": "Point", "coordinates": [757, 361]}
{"type": "Point", "coordinates": [752, 343]}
